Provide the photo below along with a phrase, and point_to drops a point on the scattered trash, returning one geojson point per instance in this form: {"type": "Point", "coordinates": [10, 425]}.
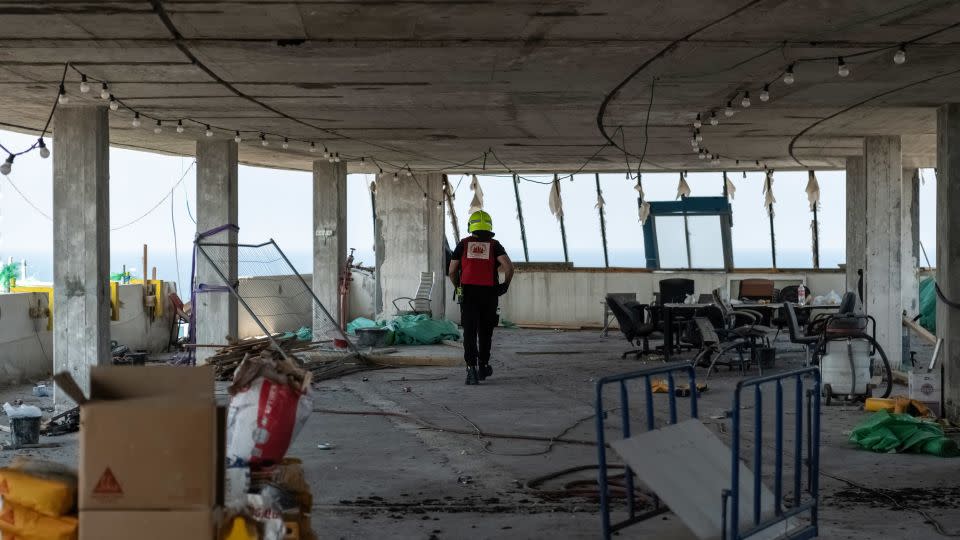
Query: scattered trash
{"type": "Point", "coordinates": [41, 390]}
{"type": "Point", "coordinates": [325, 446]}
{"type": "Point", "coordinates": [407, 389]}
{"type": "Point", "coordinates": [464, 480]}
{"type": "Point", "coordinates": [897, 405]}
{"type": "Point", "coordinates": [61, 424]}
{"type": "Point", "coordinates": [365, 379]}
{"type": "Point", "coordinates": [660, 386]}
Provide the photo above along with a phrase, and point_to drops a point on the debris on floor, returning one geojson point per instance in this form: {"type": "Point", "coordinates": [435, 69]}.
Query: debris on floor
{"type": "Point", "coordinates": [226, 359]}
{"type": "Point", "coordinates": [890, 432]}
{"type": "Point", "coordinates": [410, 329]}
{"type": "Point", "coordinates": [61, 424]}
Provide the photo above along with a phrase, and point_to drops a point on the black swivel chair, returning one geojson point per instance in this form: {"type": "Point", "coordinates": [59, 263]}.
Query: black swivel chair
{"type": "Point", "coordinates": [635, 327]}
{"type": "Point", "coordinates": [809, 341]}
{"type": "Point", "coordinates": [675, 290]}
{"type": "Point", "coordinates": [790, 294]}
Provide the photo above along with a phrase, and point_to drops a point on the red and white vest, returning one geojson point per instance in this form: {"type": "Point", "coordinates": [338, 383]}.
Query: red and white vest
{"type": "Point", "coordinates": [478, 264]}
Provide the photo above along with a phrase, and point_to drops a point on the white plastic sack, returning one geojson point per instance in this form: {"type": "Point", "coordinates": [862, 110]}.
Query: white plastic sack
{"type": "Point", "coordinates": [22, 411]}
{"type": "Point", "coordinates": [832, 298]}
{"type": "Point", "coordinates": [263, 419]}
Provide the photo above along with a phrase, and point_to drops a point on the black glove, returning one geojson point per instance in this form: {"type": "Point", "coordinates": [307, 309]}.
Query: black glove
{"type": "Point", "coordinates": [502, 288]}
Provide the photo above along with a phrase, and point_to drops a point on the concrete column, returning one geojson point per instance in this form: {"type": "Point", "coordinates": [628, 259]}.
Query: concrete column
{"type": "Point", "coordinates": [216, 312]}
{"type": "Point", "coordinates": [910, 240]}
{"type": "Point", "coordinates": [856, 221]}
{"type": "Point", "coordinates": [329, 238]}
{"type": "Point", "coordinates": [948, 251]}
{"type": "Point", "coordinates": [410, 238]}
{"type": "Point", "coordinates": [882, 282]}
{"type": "Point", "coordinates": [81, 243]}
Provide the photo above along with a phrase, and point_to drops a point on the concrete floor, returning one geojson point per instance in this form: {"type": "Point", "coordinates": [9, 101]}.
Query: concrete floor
{"type": "Point", "coordinates": [390, 477]}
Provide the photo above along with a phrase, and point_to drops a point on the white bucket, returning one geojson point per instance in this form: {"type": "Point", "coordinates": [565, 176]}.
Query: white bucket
{"type": "Point", "coordinates": [835, 366]}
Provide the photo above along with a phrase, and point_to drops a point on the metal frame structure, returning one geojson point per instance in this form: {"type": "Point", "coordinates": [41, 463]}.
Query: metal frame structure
{"type": "Point", "coordinates": [233, 289]}
{"type": "Point", "coordinates": [669, 370]}
{"type": "Point", "coordinates": [732, 527]}
{"type": "Point", "coordinates": [689, 206]}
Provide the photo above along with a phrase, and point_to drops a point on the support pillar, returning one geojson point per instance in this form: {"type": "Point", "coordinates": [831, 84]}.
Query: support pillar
{"type": "Point", "coordinates": [81, 244]}
{"type": "Point", "coordinates": [856, 222]}
{"type": "Point", "coordinates": [329, 238]}
{"type": "Point", "coordinates": [882, 278]}
{"type": "Point", "coordinates": [910, 240]}
{"type": "Point", "coordinates": [216, 311]}
{"type": "Point", "coordinates": [410, 238]}
{"type": "Point", "coordinates": [948, 251]}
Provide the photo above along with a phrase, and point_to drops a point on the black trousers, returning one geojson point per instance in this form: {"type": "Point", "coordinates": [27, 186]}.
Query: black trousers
{"type": "Point", "coordinates": [478, 316]}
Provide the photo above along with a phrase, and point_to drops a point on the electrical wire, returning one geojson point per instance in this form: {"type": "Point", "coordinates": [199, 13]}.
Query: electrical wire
{"type": "Point", "coordinates": [27, 200]}
{"type": "Point", "coordinates": [161, 201]}
{"type": "Point", "coordinates": [176, 246]}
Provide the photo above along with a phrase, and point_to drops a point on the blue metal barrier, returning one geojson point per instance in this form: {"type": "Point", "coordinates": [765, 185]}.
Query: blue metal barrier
{"type": "Point", "coordinates": [668, 370]}
{"type": "Point", "coordinates": [804, 500]}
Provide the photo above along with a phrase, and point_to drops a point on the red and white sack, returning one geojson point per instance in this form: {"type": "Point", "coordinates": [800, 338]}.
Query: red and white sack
{"type": "Point", "coordinates": [263, 419]}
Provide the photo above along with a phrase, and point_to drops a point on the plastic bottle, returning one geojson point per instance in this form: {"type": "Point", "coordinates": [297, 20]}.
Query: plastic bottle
{"type": "Point", "coordinates": [802, 293]}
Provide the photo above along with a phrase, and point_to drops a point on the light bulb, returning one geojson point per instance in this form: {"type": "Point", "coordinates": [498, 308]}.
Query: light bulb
{"type": "Point", "coordinates": [179, 126]}
{"type": "Point", "coordinates": [208, 132]}
{"type": "Point", "coordinates": [7, 165]}
{"type": "Point", "coordinates": [424, 196]}
{"type": "Point", "coordinates": [842, 69]}
{"type": "Point", "coordinates": [114, 104]}
{"type": "Point", "coordinates": [693, 142]}
{"type": "Point", "coordinates": [788, 77]}
{"type": "Point", "coordinates": [286, 143]}
{"type": "Point", "coordinates": [713, 118]}
{"type": "Point", "coordinates": [263, 140]}
{"type": "Point", "coordinates": [84, 85]}
{"type": "Point", "coordinates": [236, 137]}
{"type": "Point", "coordinates": [698, 137]}
{"type": "Point", "coordinates": [336, 157]}
{"type": "Point", "coordinates": [698, 123]}
{"type": "Point", "coordinates": [330, 158]}
{"type": "Point", "coordinates": [104, 91]}
{"type": "Point", "coordinates": [765, 93]}
{"type": "Point", "coordinates": [159, 127]}
{"type": "Point", "coordinates": [396, 177]}
{"type": "Point", "coordinates": [728, 111]}
{"type": "Point", "coordinates": [900, 56]}
{"type": "Point", "coordinates": [62, 99]}
{"type": "Point", "coordinates": [408, 172]}
{"type": "Point", "coordinates": [702, 155]}
{"type": "Point", "coordinates": [44, 151]}
{"type": "Point", "coordinates": [326, 153]}
{"type": "Point", "coordinates": [313, 148]}
{"type": "Point", "coordinates": [745, 102]}
{"type": "Point", "coordinates": [136, 120]}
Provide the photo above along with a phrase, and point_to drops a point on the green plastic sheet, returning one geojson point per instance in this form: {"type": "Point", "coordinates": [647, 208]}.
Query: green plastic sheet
{"type": "Point", "coordinates": [928, 304]}
{"type": "Point", "coordinates": [410, 329]}
{"type": "Point", "coordinates": [8, 272]}
{"type": "Point", "coordinates": [888, 432]}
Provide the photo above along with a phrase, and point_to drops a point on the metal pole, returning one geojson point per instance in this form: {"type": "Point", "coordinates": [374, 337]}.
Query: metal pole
{"type": "Point", "coordinates": [603, 226]}
{"type": "Point", "coordinates": [453, 212]}
{"type": "Point", "coordinates": [563, 228]}
{"type": "Point", "coordinates": [773, 238]}
{"type": "Point", "coordinates": [523, 229]}
{"type": "Point", "coordinates": [816, 238]}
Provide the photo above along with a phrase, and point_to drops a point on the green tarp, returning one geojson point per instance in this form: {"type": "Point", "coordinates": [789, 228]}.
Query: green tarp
{"type": "Point", "coordinates": [888, 432]}
{"type": "Point", "coordinates": [410, 329]}
{"type": "Point", "coordinates": [928, 304]}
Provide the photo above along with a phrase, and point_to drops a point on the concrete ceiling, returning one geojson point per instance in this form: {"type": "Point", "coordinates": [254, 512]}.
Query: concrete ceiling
{"type": "Point", "coordinates": [435, 83]}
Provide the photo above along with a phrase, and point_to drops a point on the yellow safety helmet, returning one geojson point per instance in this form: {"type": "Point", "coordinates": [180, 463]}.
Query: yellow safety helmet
{"type": "Point", "coordinates": [480, 221]}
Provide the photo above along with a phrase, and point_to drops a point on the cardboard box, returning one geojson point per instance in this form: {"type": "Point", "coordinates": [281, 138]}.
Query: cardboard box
{"type": "Point", "coordinates": [148, 439]}
{"type": "Point", "coordinates": [926, 388]}
{"type": "Point", "coordinates": [148, 525]}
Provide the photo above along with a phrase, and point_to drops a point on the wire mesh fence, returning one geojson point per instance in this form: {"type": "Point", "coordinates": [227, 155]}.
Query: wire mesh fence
{"type": "Point", "coordinates": [275, 301]}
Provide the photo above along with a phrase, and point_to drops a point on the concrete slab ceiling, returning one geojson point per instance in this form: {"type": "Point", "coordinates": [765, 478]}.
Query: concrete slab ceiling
{"type": "Point", "coordinates": [433, 84]}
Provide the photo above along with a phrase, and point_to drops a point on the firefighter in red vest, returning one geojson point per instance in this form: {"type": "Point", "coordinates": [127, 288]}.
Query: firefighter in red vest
{"type": "Point", "coordinates": [474, 270]}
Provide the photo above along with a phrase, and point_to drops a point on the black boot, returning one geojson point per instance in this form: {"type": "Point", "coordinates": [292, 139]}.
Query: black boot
{"type": "Point", "coordinates": [485, 370]}
{"type": "Point", "coordinates": [472, 377]}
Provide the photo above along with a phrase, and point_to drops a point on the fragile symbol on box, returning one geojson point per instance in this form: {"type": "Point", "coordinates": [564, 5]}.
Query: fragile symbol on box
{"type": "Point", "coordinates": [108, 485]}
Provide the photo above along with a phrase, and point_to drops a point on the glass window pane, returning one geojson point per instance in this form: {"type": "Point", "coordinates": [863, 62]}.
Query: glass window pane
{"type": "Point", "coordinates": [543, 228]}
{"type": "Point", "coordinates": [832, 217]}
{"type": "Point", "coordinates": [661, 186]}
{"type": "Point", "coordinates": [706, 243]}
{"type": "Point", "coordinates": [704, 184]}
{"type": "Point", "coordinates": [360, 218]}
{"type": "Point", "coordinates": [582, 220]}
{"type": "Point", "coordinates": [624, 232]}
{"type": "Point", "coordinates": [671, 241]}
{"type": "Point", "coordinates": [792, 220]}
{"type": "Point", "coordinates": [284, 212]}
{"type": "Point", "coordinates": [751, 230]}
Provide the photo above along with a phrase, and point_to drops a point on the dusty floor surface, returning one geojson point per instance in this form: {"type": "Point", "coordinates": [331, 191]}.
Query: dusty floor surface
{"type": "Point", "coordinates": [407, 476]}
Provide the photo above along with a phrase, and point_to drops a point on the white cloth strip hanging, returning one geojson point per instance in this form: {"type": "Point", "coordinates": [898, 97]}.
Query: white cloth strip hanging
{"type": "Point", "coordinates": [555, 202]}
{"type": "Point", "coordinates": [813, 190]}
{"type": "Point", "coordinates": [477, 203]}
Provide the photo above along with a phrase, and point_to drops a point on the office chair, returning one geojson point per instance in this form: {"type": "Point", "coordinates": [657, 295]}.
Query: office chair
{"type": "Point", "coordinates": [635, 329]}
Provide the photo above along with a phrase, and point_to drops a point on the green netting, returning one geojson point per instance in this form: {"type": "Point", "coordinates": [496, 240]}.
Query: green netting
{"type": "Point", "coordinates": [410, 329]}
{"type": "Point", "coordinates": [888, 432]}
{"type": "Point", "coordinates": [928, 304]}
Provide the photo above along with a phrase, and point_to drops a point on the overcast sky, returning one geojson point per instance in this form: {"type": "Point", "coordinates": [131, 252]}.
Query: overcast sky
{"type": "Point", "coordinates": [277, 204]}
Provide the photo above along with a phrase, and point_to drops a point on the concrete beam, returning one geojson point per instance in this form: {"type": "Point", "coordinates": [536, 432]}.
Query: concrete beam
{"type": "Point", "coordinates": [410, 238]}
{"type": "Point", "coordinates": [882, 285]}
{"type": "Point", "coordinates": [216, 312]}
{"type": "Point", "coordinates": [948, 251]}
{"type": "Point", "coordinates": [910, 239]}
{"type": "Point", "coordinates": [81, 243]}
{"type": "Point", "coordinates": [856, 221]}
{"type": "Point", "coordinates": [329, 238]}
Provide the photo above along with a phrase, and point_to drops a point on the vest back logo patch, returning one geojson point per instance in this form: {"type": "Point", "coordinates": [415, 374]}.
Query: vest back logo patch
{"type": "Point", "coordinates": [478, 250]}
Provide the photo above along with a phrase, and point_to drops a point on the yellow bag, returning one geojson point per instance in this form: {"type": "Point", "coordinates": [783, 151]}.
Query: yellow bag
{"type": "Point", "coordinates": [48, 496]}
{"type": "Point", "coordinates": [240, 528]}
{"type": "Point", "coordinates": [23, 523]}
